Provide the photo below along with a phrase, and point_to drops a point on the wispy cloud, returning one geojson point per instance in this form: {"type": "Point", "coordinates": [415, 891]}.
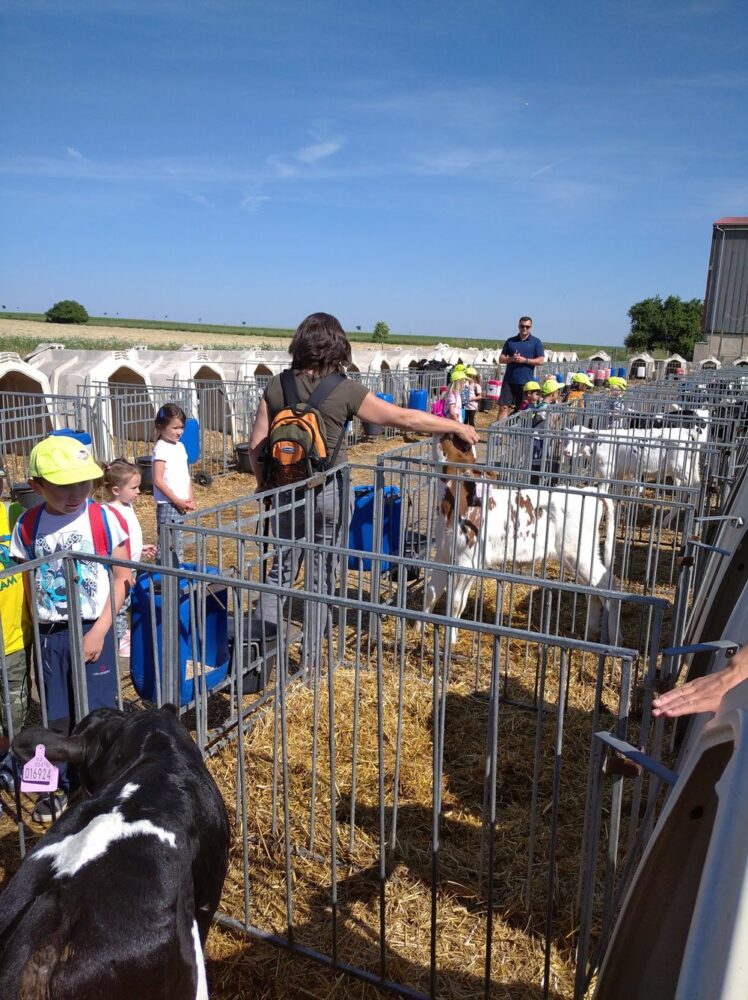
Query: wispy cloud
{"type": "Point", "coordinates": [548, 167]}
{"type": "Point", "coordinates": [199, 199]}
{"type": "Point", "coordinates": [251, 202]}
{"type": "Point", "coordinates": [319, 150]}
{"type": "Point", "coordinates": [74, 154]}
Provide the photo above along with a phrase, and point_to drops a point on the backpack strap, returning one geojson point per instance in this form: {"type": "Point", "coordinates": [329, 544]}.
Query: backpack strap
{"type": "Point", "coordinates": [323, 390]}
{"type": "Point", "coordinates": [28, 528]}
{"type": "Point", "coordinates": [120, 518]}
{"type": "Point", "coordinates": [288, 384]}
{"type": "Point", "coordinates": [100, 533]}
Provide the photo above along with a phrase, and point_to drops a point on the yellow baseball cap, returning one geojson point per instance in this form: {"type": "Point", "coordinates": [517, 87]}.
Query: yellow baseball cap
{"type": "Point", "coordinates": [532, 387]}
{"type": "Point", "coordinates": [581, 379]}
{"type": "Point", "coordinates": [616, 382]}
{"type": "Point", "coordinates": [62, 461]}
{"type": "Point", "coordinates": [550, 385]}
{"type": "Point", "coordinates": [458, 375]}
{"type": "Point", "coordinates": [470, 370]}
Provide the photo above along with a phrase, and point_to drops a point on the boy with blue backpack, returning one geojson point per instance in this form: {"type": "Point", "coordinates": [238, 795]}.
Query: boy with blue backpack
{"type": "Point", "coordinates": [62, 472]}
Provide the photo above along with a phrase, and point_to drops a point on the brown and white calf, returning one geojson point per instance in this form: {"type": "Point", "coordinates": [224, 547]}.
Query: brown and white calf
{"type": "Point", "coordinates": [483, 525]}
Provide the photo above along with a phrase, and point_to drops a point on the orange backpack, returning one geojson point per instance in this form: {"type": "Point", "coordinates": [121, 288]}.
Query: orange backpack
{"type": "Point", "coordinates": [296, 445]}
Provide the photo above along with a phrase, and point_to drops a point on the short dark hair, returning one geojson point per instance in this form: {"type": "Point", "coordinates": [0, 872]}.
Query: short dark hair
{"type": "Point", "coordinates": [167, 413]}
{"type": "Point", "coordinates": [525, 319]}
{"type": "Point", "coordinates": [320, 343]}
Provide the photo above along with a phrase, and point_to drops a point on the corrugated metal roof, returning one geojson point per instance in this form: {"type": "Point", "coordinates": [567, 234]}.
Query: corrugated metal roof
{"type": "Point", "coordinates": [733, 220]}
{"type": "Point", "coordinates": [726, 301]}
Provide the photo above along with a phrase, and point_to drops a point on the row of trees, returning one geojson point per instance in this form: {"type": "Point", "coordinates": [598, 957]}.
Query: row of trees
{"type": "Point", "coordinates": [672, 326]}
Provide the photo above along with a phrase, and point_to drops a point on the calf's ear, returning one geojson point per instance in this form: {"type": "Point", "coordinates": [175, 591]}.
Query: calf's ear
{"type": "Point", "coordinates": [57, 748]}
{"type": "Point", "coordinates": [169, 708]}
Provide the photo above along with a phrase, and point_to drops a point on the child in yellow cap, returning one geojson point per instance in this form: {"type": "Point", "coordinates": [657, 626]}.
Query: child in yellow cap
{"type": "Point", "coordinates": [580, 383]}
{"type": "Point", "coordinates": [615, 406]}
{"type": "Point", "coordinates": [62, 472]}
{"type": "Point", "coordinates": [532, 396]}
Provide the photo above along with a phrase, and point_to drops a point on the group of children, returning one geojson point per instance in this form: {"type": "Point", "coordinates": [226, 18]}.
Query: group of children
{"type": "Point", "coordinates": [539, 397]}
{"type": "Point", "coordinates": [460, 399]}
{"type": "Point", "coordinates": [63, 473]}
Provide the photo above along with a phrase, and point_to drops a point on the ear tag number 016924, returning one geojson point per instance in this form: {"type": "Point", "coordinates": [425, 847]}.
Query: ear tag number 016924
{"type": "Point", "coordinates": [39, 775]}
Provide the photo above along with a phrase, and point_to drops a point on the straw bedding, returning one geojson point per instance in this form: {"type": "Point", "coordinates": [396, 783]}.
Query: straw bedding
{"type": "Point", "coordinates": [240, 967]}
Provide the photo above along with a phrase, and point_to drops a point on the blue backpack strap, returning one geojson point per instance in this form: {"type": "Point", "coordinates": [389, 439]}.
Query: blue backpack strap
{"type": "Point", "coordinates": [28, 528]}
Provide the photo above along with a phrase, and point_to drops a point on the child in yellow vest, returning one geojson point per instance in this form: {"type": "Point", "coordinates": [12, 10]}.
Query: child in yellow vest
{"type": "Point", "coordinates": [15, 644]}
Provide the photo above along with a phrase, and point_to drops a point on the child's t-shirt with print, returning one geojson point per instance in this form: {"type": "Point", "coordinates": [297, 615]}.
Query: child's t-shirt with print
{"type": "Point", "coordinates": [62, 533]}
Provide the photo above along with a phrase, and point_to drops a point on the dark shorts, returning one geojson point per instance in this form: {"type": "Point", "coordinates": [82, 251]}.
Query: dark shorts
{"type": "Point", "coordinates": [57, 669]}
{"type": "Point", "coordinates": [511, 395]}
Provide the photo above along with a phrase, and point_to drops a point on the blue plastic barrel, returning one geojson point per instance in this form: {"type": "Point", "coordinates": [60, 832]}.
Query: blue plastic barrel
{"type": "Point", "coordinates": [621, 373]}
{"type": "Point", "coordinates": [191, 440]}
{"type": "Point", "coordinates": [418, 400]}
{"type": "Point", "coordinates": [361, 531]}
{"type": "Point", "coordinates": [374, 430]}
{"type": "Point", "coordinates": [83, 436]}
{"type": "Point", "coordinates": [212, 654]}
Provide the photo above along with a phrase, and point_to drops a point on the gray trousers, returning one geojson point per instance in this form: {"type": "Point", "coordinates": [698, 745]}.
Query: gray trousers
{"type": "Point", "coordinates": [328, 518]}
{"type": "Point", "coordinates": [166, 514]}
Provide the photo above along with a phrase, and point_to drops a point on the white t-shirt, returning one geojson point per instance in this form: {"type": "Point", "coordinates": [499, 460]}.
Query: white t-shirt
{"type": "Point", "coordinates": [176, 470]}
{"type": "Point", "coordinates": [133, 527]}
{"type": "Point", "coordinates": [59, 533]}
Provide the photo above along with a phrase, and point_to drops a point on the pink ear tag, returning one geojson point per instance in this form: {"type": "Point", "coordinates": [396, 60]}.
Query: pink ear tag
{"type": "Point", "coordinates": [39, 775]}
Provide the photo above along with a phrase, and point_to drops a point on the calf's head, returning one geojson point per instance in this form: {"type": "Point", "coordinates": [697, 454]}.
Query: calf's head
{"type": "Point", "coordinates": [105, 742]}
{"type": "Point", "coordinates": [578, 442]}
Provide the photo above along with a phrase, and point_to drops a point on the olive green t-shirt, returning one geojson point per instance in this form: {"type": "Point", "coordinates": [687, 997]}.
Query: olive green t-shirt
{"type": "Point", "coordinates": [342, 404]}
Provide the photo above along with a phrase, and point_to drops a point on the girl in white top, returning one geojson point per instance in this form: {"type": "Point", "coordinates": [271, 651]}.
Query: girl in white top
{"type": "Point", "coordinates": [121, 486]}
{"type": "Point", "coordinates": [172, 485]}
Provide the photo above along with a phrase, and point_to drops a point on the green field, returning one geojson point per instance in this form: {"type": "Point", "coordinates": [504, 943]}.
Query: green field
{"type": "Point", "coordinates": [23, 345]}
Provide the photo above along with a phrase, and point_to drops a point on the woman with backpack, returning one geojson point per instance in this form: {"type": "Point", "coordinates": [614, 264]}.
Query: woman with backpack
{"type": "Point", "coordinates": [299, 429]}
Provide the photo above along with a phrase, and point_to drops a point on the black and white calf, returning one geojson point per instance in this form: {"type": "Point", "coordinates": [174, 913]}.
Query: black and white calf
{"type": "Point", "coordinates": [115, 901]}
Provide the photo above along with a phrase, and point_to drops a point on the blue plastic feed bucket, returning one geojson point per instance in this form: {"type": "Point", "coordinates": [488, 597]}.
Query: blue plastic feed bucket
{"type": "Point", "coordinates": [361, 534]}
{"type": "Point", "coordinates": [418, 400]}
{"type": "Point", "coordinates": [374, 430]}
{"type": "Point", "coordinates": [83, 436]}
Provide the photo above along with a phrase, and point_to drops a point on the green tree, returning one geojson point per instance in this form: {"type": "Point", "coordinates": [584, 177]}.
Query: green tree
{"type": "Point", "coordinates": [673, 326]}
{"type": "Point", "coordinates": [67, 311]}
{"type": "Point", "coordinates": [381, 331]}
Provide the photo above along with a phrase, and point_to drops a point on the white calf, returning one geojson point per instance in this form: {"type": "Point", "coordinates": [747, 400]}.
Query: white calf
{"type": "Point", "coordinates": [639, 454]}
{"type": "Point", "coordinates": [480, 525]}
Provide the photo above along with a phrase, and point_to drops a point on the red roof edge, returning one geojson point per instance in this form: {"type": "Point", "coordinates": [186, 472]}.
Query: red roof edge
{"type": "Point", "coordinates": [733, 220]}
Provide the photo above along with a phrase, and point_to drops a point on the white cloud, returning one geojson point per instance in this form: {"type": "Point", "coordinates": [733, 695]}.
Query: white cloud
{"type": "Point", "coordinates": [199, 199]}
{"type": "Point", "coordinates": [319, 150]}
{"type": "Point", "coordinates": [547, 168]}
{"type": "Point", "coordinates": [251, 202]}
{"type": "Point", "coordinates": [74, 154]}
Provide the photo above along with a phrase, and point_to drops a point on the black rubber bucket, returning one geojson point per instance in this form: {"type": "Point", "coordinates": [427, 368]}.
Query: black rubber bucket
{"type": "Point", "coordinates": [23, 494]}
{"type": "Point", "coordinates": [145, 468]}
{"type": "Point", "coordinates": [242, 457]}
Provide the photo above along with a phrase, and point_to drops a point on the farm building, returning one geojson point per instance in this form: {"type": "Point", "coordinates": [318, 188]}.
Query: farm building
{"type": "Point", "coordinates": [725, 325]}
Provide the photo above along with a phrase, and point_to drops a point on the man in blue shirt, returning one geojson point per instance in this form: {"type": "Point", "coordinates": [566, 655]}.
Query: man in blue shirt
{"type": "Point", "coordinates": [521, 355]}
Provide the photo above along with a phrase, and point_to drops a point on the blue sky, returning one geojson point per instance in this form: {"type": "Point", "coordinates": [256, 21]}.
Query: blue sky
{"type": "Point", "coordinates": [442, 166]}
